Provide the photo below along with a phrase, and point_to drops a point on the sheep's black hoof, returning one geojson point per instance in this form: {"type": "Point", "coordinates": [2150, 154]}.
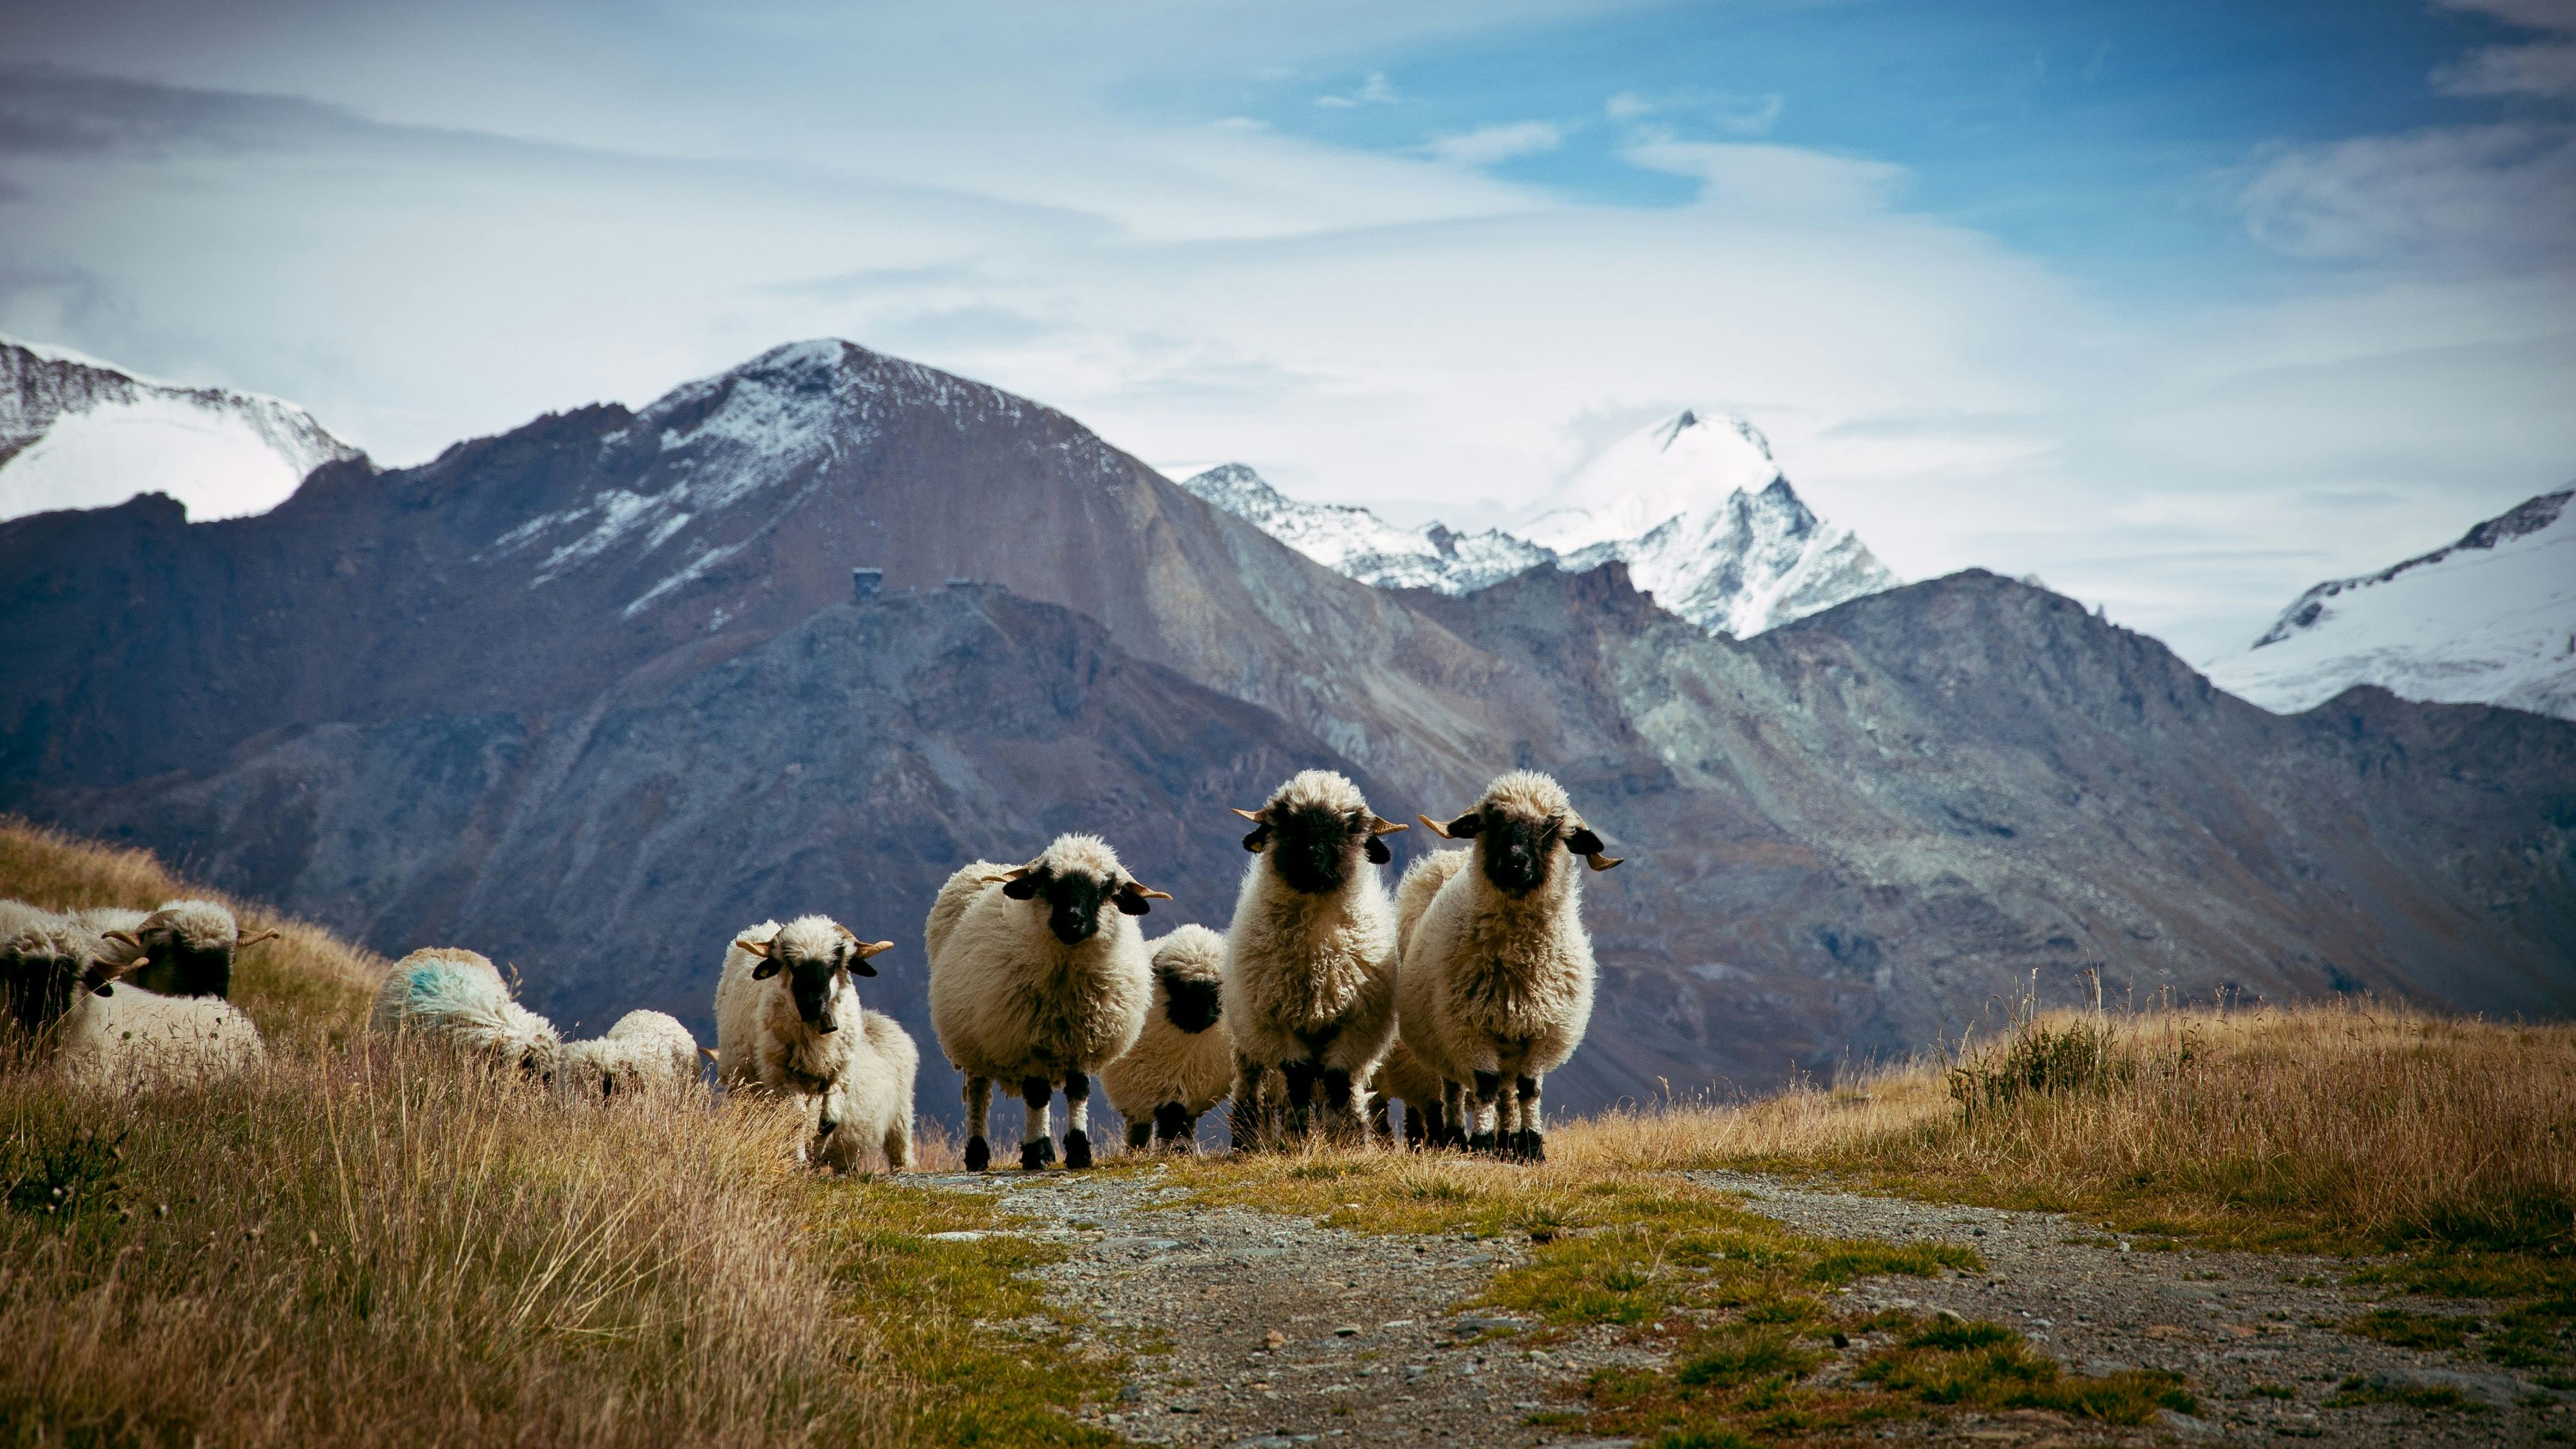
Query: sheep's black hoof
{"type": "Point", "coordinates": [1481, 1142]}
{"type": "Point", "coordinates": [1530, 1146]}
{"type": "Point", "coordinates": [979, 1154]}
{"type": "Point", "coordinates": [1077, 1149]}
{"type": "Point", "coordinates": [1037, 1154]}
{"type": "Point", "coordinates": [1140, 1135]}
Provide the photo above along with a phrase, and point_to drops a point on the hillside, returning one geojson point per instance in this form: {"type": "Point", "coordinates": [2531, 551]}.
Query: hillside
{"type": "Point", "coordinates": [590, 695]}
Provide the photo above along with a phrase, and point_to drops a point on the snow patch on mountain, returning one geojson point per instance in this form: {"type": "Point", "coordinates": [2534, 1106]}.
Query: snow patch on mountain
{"type": "Point", "coordinates": [2490, 619]}
{"type": "Point", "coordinates": [76, 432]}
{"type": "Point", "coordinates": [1693, 505]}
{"type": "Point", "coordinates": [1358, 543]}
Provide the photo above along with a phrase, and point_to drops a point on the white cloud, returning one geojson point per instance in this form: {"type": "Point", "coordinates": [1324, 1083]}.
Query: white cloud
{"type": "Point", "coordinates": [1374, 92]}
{"type": "Point", "coordinates": [1487, 145]}
{"type": "Point", "coordinates": [2512, 70]}
{"type": "Point", "coordinates": [2453, 196]}
{"type": "Point", "coordinates": [1730, 114]}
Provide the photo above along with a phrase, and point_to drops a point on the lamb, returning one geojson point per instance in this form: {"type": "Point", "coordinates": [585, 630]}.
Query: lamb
{"type": "Point", "coordinates": [646, 1052]}
{"type": "Point", "coordinates": [185, 948]}
{"type": "Point", "coordinates": [1183, 1062]}
{"type": "Point", "coordinates": [780, 1005]}
{"type": "Point", "coordinates": [456, 996]}
{"type": "Point", "coordinates": [871, 1102]}
{"type": "Point", "coordinates": [1497, 979]}
{"type": "Point", "coordinates": [1310, 958]}
{"type": "Point", "coordinates": [1036, 979]}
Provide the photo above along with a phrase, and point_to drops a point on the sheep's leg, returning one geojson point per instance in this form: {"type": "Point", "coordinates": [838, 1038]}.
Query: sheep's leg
{"type": "Point", "coordinates": [1077, 1119]}
{"type": "Point", "coordinates": [1345, 1106]}
{"type": "Point", "coordinates": [1531, 1144]}
{"type": "Point", "coordinates": [1489, 1087]}
{"type": "Point", "coordinates": [1037, 1142]}
{"type": "Point", "coordinates": [898, 1145]}
{"type": "Point", "coordinates": [1186, 1139]}
{"type": "Point", "coordinates": [1380, 1125]}
{"type": "Point", "coordinates": [979, 1105]}
{"type": "Point", "coordinates": [1140, 1133]}
{"type": "Point", "coordinates": [1421, 1125]}
{"type": "Point", "coordinates": [1173, 1123]}
{"type": "Point", "coordinates": [1247, 1103]}
{"type": "Point", "coordinates": [1453, 1115]}
{"type": "Point", "coordinates": [1300, 1077]}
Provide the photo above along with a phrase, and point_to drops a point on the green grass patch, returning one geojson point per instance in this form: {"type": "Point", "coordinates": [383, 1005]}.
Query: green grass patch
{"type": "Point", "coordinates": [2357, 1392]}
{"type": "Point", "coordinates": [2401, 1329]}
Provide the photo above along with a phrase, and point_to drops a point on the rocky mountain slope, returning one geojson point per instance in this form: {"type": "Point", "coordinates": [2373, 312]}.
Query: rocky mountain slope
{"type": "Point", "coordinates": [592, 694]}
{"type": "Point", "coordinates": [2490, 619]}
{"type": "Point", "coordinates": [1694, 506]}
{"type": "Point", "coordinates": [77, 433]}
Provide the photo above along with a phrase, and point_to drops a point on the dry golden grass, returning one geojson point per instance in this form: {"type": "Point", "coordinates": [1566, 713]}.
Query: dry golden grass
{"type": "Point", "coordinates": [2339, 1126]}
{"type": "Point", "coordinates": [306, 986]}
{"type": "Point", "coordinates": [360, 1243]}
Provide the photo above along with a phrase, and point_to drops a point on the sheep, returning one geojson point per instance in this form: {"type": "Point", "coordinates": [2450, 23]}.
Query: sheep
{"type": "Point", "coordinates": [871, 1101]}
{"type": "Point", "coordinates": [1309, 987]}
{"type": "Point", "coordinates": [1497, 978]}
{"type": "Point", "coordinates": [63, 995]}
{"type": "Point", "coordinates": [185, 948]}
{"type": "Point", "coordinates": [1402, 1076]}
{"type": "Point", "coordinates": [1183, 1062]}
{"type": "Point", "coordinates": [780, 1005]}
{"type": "Point", "coordinates": [456, 996]}
{"type": "Point", "coordinates": [646, 1052]}
{"type": "Point", "coordinates": [1036, 979]}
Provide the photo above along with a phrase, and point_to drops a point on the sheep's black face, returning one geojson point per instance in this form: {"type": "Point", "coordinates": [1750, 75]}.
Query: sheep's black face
{"type": "Point", "coordinates": [39, 985]}
{"type": "Point", "coordinates": [1072, 901]}
{"type": "Point", "coordinates": [177, 969]}
{"type": "Point", "coordinates": [814, 981]}
{"type": "Point", "coordinates": [1316, 849]}
{"type": "Point", "coordinates": [1519, 852]}
{"type": "Point", "coordinates": [1190, 1006]}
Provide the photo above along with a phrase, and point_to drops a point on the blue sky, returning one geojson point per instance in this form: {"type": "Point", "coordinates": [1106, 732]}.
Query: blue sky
{"type": "Point", "coordinates": [2180, 306]}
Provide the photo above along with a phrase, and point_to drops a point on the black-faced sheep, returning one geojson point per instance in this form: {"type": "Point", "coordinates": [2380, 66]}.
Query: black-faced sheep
{"type": "Point", "coordinates": [1497, 980]}
{"type": "Point", "coordinates": [782, 1007]}
{"type": "Point", "coordinates": [1039, 976]}
{"type": "Point", "coordinates": [457, 997]}
{"type": "Point", "coordinates": [1311, 955]}
{"type": "Point", "coordinates": [1183, 1061]}
{"type": "Point", "coordinates": [185, 948]}
{"type": "Point", "coordinates": [63, 997]}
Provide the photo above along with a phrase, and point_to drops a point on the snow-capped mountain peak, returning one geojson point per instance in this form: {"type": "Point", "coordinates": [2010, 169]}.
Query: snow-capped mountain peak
{"type": "Point", "coordinates": [76, 432]}
{"type": "Point", "coordinates": [1694, 504]}
{"type": "Point", "coordinates": [2489, 619]}
{"type": "Point", "coordinates": [1358, 543]}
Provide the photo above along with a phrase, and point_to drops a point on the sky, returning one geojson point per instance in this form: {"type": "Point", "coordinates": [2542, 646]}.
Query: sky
{"type": "Point", "coordinates": [2181, 307]}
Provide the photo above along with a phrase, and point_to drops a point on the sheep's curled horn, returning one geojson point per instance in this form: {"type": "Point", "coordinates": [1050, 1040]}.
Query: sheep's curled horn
{"type": "Point", "coordinates": [1582, 842]}
{"type": "Point", "coordinates": [1379, 826]}
{"type": "Point", "coordinates": [768, 966]}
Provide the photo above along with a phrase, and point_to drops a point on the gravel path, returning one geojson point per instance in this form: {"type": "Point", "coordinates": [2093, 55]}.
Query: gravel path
{"type": "Point", "coordinates": [1266, 1331]}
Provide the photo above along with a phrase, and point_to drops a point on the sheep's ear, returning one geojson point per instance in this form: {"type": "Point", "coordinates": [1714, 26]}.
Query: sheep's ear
{"type": "Point", "coordinates": [1021, 887]}
{"type": "Point", "coordinates": [1583, 842]}
{"type": "Point", "coordinates": [1378, 854]}
{"type": "Point", "coordinates": [865, 949]}
{"type": "Point", "coordinates": [1259, 837]}
{"type": "Point", "coordinates": [765, 970]}
{"type": "Point", "coordinates": [1134, 895]}
{"type": "Point", "coordinates": [1465, 827]}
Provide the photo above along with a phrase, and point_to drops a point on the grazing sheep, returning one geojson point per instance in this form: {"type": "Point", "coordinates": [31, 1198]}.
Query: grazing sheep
{"type": "Point", "coordinates": [871, 1102]}
{"type": "Point", "coordinates": [1183, 1062]}
{"type": "Point", "coordinates": [645, 1052]}
{"type": "Point", "coordinates": [780, 1005]}
{"type": "Point", "coordinates": [1310, 959]}
{"type": "Point", "coordinates": [1497, 980]}
{"type": "Point", "coordinates": [453, 995]}
{"type": "Point", "coordinates": [185, 948]}
{"type": "Point", "coordinates": [1403, 1076]}
{"type": "Point", "coordinates": [1038, 976]}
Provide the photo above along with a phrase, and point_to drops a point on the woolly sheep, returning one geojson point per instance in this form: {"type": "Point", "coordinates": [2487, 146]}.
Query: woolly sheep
{"type": "Point", "coordinates": [871, 1102]}
{"type": "Point", "coordinates": [646, 1052]}
{"type": "Point", "coordinates": [1497, 980]}
{"type": "Point", "coordinates": [43, 959]}
{"type": "Point", "coordinates": [450, 994]}
{"type": "Point", "coordinates": [1039, 976]}
{"type": "Point", "coordinates": [781, 1004]}
{"type": "Point", "coordinates": [1183, 1061]}
{"type": "Point", "coordinates": [1310, 958]}
{"type": "Point", "coordinates": [185, 948]}
{"type": "Point", "coordinates": [63, 997]}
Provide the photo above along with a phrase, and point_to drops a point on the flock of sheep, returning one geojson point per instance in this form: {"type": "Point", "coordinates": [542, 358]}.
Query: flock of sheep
{"type": "Point", "coordinates": [1323, 999]}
